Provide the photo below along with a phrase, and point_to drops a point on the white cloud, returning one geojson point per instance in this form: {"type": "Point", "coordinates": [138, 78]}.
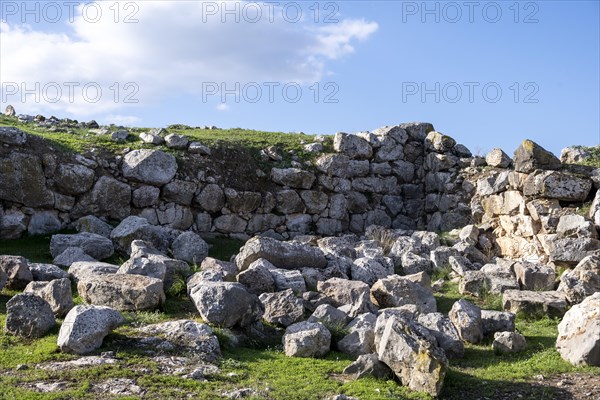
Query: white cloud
{"type": "Point", "coordinates": [222, 107]}
{"type": "Point", "coordinates": [125, 120]}
{"type": "Point", "coordinates": [174, 49]}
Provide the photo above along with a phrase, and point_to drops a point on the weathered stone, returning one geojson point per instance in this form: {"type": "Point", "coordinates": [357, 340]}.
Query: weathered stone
{"type": "Point", "coordinates": [17, 271]}
{"type": "Point", "coordinates": [190, 248]}
{"type": "Point", "coordinates": [29, 316]}
{"type": "Point", "coordinates": [572, 225]}
{"type": "Point", "coordinates": [83, 270]}
{"type": "Point", "coordinates": [242, 202]}
{"type": "Point", "coordinates": [412, 354]}
{"type": "Point", "coordinates": [73, 179]}
{"type": "Point", "coordinates": [353, 146]}
{"type": "Point", "coordinates": [230, 223]}
{"type": "Point", "coordinates": [534, 303]}
{"type": "Point", "coordinates": [341, 292]}
{"type": "Point", "coordinates": [212, 198]}
{"type": "Point", "coordinates": [314, 201]}
{"type": "Point", "coordinates": [306, 339]}
{"type": "Point", "coordinates": [189, 335]}
{"type": "Point", "coordinates": [123, 292]}
{"type": "Point", "coordinates": [180, 192]}
{"type": "Point", "coordinates": [397, 291]}
{"type": "Point", "coordinates": [46, 272]}
{"type": "Point", "coordinates": [286, 255]}
{"type": "Point", "coordinates": [466, 317]}
{"type": "Point", "coordinates": [436, 141]}
{"type": "Point", "coordinates": [369, 270]}
{"type": "Point", "coordinates": [175, 141]}
{"type": "Point", "coordinates": [199, 148]}
{"type": "Point", "coordinates": [497, 321]}
{"type": "Point", "coordinates": [72, 255]}
{"type": "Point", "coordinates": [145, 196]}
{"type": "Point", "coordinates": [293, 177]}
{"type": "Point", "coordinates": [92, 224]}
{"type": "Point", "coordinates": [57, 293]}
{"type": "Point", "coordinates": [361, 336]}
{"type": "Point", "coordinates": [329, 316]}
{"type": "Point", "coordinates": [85, 327]}
{"type": "Point", "coordinates": [582, 281]}
{"type": "Point", "coordinates": [13, 224]}
{"type": "Point", "coordinates": [508, 342]}
{"type": "Point", "coordinates": [13, 136]}
{"type": "Point", "coordinates": [288, 279]}
{"type": "Point", "coordinates": [530, 156]}
{"type": "Point", "coordinates": [134, 228]}
{"type": "Point", "coordinates": [153, 167]}
{"type": "Point", "coordinates": [497, 158]}
{"type": "Point", "coordinates": [226, 304]}
{"type": "Point", "coordinates": [282, 308]}
{"type": "Point", "coordinates": [571, 251]}
{"type": "Point", "coordinates": [92, 244]}
{"type": "Point", "coordinates": [579, 333]}
{"type": "Point", "coordinates": [444, 332]}
{"type": "Point", "coordinates": [493, 184]}
{"type": "Point", "coordinates": [149, 137]}
{"type": "Point", "coordinates": [257, 278]}
{"type": "Point", "coordinates": [22, 181]}
{"type": "Point", "coordinates": [412, 264]}
{"type": "Point", "coordinates": [112, 198]}
{"type": "Point", "coordinates": [557, 185]}
{"type": "Point", "coordinates": [534, 276]}
{"type": "Point", "coordinates": [368, 365]}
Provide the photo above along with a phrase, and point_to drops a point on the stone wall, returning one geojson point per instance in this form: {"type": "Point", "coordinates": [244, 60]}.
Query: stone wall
{"type": "Point", "coordinates": [406, 176]}
{"type": "Point", "coordinates": [536, 208]}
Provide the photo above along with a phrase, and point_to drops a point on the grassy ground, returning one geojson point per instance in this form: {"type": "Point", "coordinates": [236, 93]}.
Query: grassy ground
{"type": "Point", "coordinates": [266, 370]}
{"type": "Point", "coordinates": [77, 140]}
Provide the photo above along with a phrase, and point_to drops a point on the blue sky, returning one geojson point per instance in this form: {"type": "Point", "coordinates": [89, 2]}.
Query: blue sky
{"type": "Point", "coordinates": [490, 74]}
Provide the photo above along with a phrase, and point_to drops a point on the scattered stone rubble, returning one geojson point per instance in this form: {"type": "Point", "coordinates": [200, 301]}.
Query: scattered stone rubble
{"type": "Point", "coordinates": [362, 286]}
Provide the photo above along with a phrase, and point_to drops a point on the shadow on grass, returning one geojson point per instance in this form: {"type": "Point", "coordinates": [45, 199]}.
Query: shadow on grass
{"type": "Point", "coordinates": [460, 386]}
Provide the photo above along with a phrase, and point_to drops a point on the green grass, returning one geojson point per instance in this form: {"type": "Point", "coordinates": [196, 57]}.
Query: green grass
{"type": "Point", "coordinates": [76, 140]}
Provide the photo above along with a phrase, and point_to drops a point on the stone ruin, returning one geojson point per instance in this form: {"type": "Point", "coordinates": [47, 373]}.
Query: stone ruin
{"type": "Point", "coordinates": [339, 251]}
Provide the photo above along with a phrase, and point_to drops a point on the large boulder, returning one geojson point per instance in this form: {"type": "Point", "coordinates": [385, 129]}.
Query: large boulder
{"type": "Point", "coordinates": [286, 255]}
{"type": "Point", "coordinates": [211, 198]}
{"type": "Point", "coordinates": [530, 156]}
{"type": "Point", "coordinates": [534, 303]}
{"type": "Point", "coordinates": [444, 331]}
{"type": "Point", "coordinates": [16, 269]}
{"type": "Point", "coordinates": [361, 336]}
{"type": "Point", "coordinates": [225, 304]}
{"type": "Point", "coordinates": [412, 353]}
{"type": "Point", "coordinates": [582, 281]}
{"type": "Point", "coordinates": [533, 276]}
{"type": "Point", "coordinates": [22, 180]}
{"type": "Point", "coordinates": [85, 327]}
{"type": "Point", "coordinates": [153, 167]}
{"type": "Point", "coordinates": [282, 308]}
{"type": "Point", "coordinates": [46, 272]}
{"type": "Point", "coordinates": [57, 293]}
{"type": "Point", "coordinates": [306, 339]}
{"type": "Point", "coordinates": [257, 278]}
{"type": "Point", "coordinates": [132, 228]}
{"type": "Point", "coordinates": [368, 365]}
{"type": "Point", "coordinates": [28, 315]}
{"type": "Point", "coordinates": [72, 255]}
{"type": "Point", "coordinates": [82, 270]}
{"type": "Point", "coordinates": [343, 292]}
{"type": "Point", "coordinates": [73, 179]}
{"type": "Point", "coordinates": [352, 145]}
{"type": "Point", "coordinates": [190, 248]}
{"type": "Point", "coordinates": [93, 224]}
{"type": "Point", "coordinates": [92, 244]}
{"type": "Point", "coordinates": [293, 177]}
{"type": "Point", "coordinates": [397, 291]}
{"type": "Point", "coordinates": [44, 222]}
{"type": "Point", "coordinates": [466, 317]}
{"type": "Point", "coordinates": [558, 185]}
{"type": "Point", "coordinates": [369, 270]}
{"type": "Point", "coordinates": [497, 158]}
{"type": "Point", "coordinates": [122, 292]}
{"type": "Point", "coordinates": [111, 198]}
{"type": "Point", "coordinates": [189, 335]}
{"type": "Point", "coordinates": [579, 333]}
